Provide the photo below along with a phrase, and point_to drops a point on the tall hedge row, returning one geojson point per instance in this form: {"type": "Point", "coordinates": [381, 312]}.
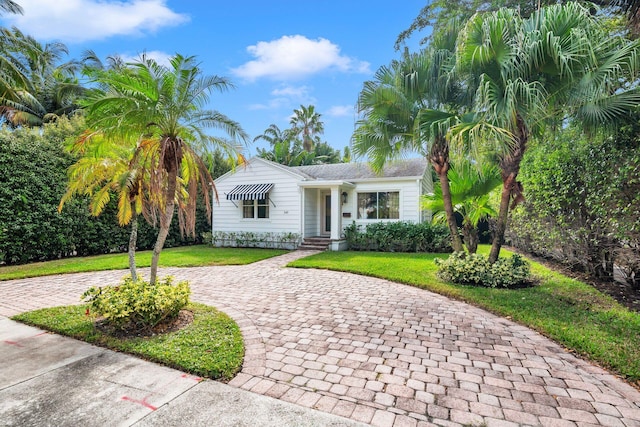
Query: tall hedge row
{"type": "Point", "coordinates": [583, 203]}
{"type": "Point", "coordinates": [33, 178]}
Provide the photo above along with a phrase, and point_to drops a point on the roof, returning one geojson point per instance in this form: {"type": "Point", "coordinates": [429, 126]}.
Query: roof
{"type": "Point", "coordinates": [357, 171]}
{"type": "Point", "coordinates": [409, 168]}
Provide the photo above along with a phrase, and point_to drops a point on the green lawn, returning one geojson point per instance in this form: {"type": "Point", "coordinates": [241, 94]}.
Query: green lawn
{"type": "Point", "coordinates": [571, 312]}
{"type": "Point", "coordinates": [185, 256]}
{"type": "Point", "coordinates": [210, 347]}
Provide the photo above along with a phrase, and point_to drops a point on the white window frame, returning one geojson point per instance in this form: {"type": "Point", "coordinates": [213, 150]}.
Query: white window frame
{"type": "Point", "coordinates": [256, 205]}
{"type": "Point", "coordinates": [377, 192]}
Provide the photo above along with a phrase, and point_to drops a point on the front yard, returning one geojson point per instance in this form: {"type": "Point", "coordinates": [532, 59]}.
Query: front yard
{"type": "Point", "coordinates": [572, 313]}
{"type": "Point", "coordinates": [184, 256]}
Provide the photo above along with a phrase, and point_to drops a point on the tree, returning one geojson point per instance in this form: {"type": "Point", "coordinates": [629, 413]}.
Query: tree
{"type": "Point", "coordinates": [161, 107]}
{"type": "Point", "coordinates": [346, 155]}
{"type": "Point", "coordinates": [39, 87]}
{"type": "Point", "coordinates": [437, 13]}
{"type": "Point", "coordinates": [583, 202]}
{"type": "Point", "coordinates": [307, 125]}
{"type": "Point", "coordinates": [559, 63]}
{"type": "Point", "coordinates": [409, 107]}
{"type": "Point", "coordinates": [8, 6]}
{"type": "Point", "coordinates": [471, 186]}
{"type": "Point", "coordinates": [104, 169]}
{"type": "Point", "coordinates": [287, 148]}
{"type": "Point", "coordinates": [217, 163]}
{"type": "Point", "coordinates": [324, 153]}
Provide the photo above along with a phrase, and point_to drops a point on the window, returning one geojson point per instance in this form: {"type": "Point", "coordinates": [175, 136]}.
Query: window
{"type": "Point", "coordinates": [255, 208]}
{"type": "Point", "coordinates": [379, 205]}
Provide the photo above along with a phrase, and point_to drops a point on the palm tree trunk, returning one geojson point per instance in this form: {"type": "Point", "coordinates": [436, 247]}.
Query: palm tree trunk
{"type": "Point", "coordinates": [439, 158]}
{"type": "Point", "coordinates": [165, 223]}
{"type": "Point", "coordinates": [510, 166]}
{"type": "Point", "coordinates": [501, 221]}
{"type": "Point", "coordinates": [133, 239]}
{"type": "Point", "coordinates": [470, 237]}
{"type": "Point", "coordinates": [456, 242]}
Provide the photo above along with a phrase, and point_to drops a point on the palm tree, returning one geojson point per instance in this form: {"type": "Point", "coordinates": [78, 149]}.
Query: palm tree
{"type": "Point", "coordinates": [471, 186]}
{"type": "Point", "coordinates": [9, 6]}
{"type": "Point", "coordinates": [43, 88]}
{"type": "Point", "coordinates": [285, 148]}
{"type": "Point", "coordinates": [410, 106]}
{"type": "Point", "coordinates": [306, 123]}
{"type": "Point", "coordinates": [561, 62]}
{"type": "Point", "coordinates": [163, 107]}
{"type": "Point", "coordinates": [102, 170]}
{"type": "Point", "coordinates": [436, 13]}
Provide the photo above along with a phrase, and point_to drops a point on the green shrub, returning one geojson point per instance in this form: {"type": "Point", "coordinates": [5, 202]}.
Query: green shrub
{"type": "Point", "coordinates": [475, 269]}
{"type": "Point", "coordinates": [33, 178]}
{"type": "Point", "coordinates": [582, 203]}
{"type": "Point", "coordinates": [398, 236]}
{"type": "Point", "coordinates": [250, 239]}
{"type": "Point", "coordinates": [138, 305]}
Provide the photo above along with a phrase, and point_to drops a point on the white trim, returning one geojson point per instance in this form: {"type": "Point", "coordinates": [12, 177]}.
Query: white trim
{"type": "Point", "coordinates": [382, 179]}
{"type": "Point", "coordinates": [393, 190]}
{"type": "Point", "coordinates": [248, 163]}
{"type": "Point", "coordinates": [325, 184]}
{"type": "Point", "coordinates": [299, 175]}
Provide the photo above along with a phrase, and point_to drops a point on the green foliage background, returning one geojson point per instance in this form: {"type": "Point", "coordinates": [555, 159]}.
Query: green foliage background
{"type": "Point", "coordinates": [583, 202]}
{"type": "Point", "coordinates": [33, 178]}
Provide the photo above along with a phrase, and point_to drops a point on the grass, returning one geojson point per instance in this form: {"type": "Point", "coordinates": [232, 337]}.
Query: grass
{"type": "Point", "coordinates": [185, 256]}
{"type": "Point", "coordinates": [572, 313]}
{"type": "Point", "coordinates": [209, 347]}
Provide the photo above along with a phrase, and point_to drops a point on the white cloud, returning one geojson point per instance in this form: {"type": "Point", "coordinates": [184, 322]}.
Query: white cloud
{"type": "Point", "coordinates": [292, 57]}
{"type": "Point", "coordinates": [296, 95]}
{"type": "Point", "coordinates": [83, 20]}
{"type": "Point", "coordinates": [273, 104]}
{"type": "Point", "coordinates": [341, 111]}
{"type": "Point", "coordinates": [288, 97]}
{"type": "Point", "coordinates": [291, 91]}
{"type": "Point", "coordinates": [160, 57]}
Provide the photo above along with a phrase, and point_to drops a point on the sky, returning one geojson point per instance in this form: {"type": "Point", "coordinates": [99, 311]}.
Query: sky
{"type": "Point", "coordinates": [279, 54]}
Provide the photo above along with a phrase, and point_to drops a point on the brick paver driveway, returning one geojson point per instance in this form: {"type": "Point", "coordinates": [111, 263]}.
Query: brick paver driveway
{"type": "Point", "coordinates": [380, 352]}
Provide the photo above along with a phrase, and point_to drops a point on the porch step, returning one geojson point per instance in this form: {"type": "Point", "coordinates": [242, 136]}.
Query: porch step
{"type": "Point", "coordinates": [315, 244]}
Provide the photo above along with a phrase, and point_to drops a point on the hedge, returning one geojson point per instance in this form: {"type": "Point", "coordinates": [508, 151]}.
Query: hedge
{"type": "Point", "coordinates": [33, 178]}
{"type": "Point", "coordinates": [398, 236]}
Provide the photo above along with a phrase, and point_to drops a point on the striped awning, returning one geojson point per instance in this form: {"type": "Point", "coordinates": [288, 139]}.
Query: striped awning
{"type": "Point", "coordinates": [249, 192]}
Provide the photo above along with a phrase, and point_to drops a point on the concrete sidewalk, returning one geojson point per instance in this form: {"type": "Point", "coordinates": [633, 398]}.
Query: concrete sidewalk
{"type": "Point", "coordinates": [50, 380]}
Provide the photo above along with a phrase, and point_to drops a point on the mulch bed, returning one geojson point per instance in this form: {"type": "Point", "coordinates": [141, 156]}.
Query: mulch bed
{"type": "Point", "coordinates": [621, 292]}
{"type": "Point", "coordinates": [182, 320]}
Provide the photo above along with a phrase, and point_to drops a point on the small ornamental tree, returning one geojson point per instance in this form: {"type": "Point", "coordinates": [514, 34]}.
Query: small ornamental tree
{"type": "Point", "coordinates": [161, 107]}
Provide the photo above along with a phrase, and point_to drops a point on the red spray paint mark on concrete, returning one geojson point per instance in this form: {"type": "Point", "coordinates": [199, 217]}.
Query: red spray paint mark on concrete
{"type": "Point", "coordinates": [17, 343]}
{"type": "Point", "coordinates": [142, 402]}
{"type": "Point", "coordinates": [187, 376]}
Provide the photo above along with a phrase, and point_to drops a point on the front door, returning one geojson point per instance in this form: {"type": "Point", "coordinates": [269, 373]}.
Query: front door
{"type": "Point", "coordinates": [325, 222]}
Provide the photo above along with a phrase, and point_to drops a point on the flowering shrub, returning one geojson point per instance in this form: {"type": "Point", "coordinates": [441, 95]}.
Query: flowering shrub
{"type": "Point", "coordinates": [138, 305]}
{"type": "Point", "coordinates": [475, 269]}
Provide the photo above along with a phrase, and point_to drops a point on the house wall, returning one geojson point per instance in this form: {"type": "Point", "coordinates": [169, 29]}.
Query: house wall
{"type": "Point", "coordinates": [427, 187]}
{"type": "Point", "coordinates": [409, 190]}
{"type": "Point", "coordinates": [312, 213]}
{"type": "Point", "coordinates": [284, 217]}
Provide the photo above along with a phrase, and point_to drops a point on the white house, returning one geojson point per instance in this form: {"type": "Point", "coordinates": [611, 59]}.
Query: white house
{"type": "Point", "coordinates": [319, 200]}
